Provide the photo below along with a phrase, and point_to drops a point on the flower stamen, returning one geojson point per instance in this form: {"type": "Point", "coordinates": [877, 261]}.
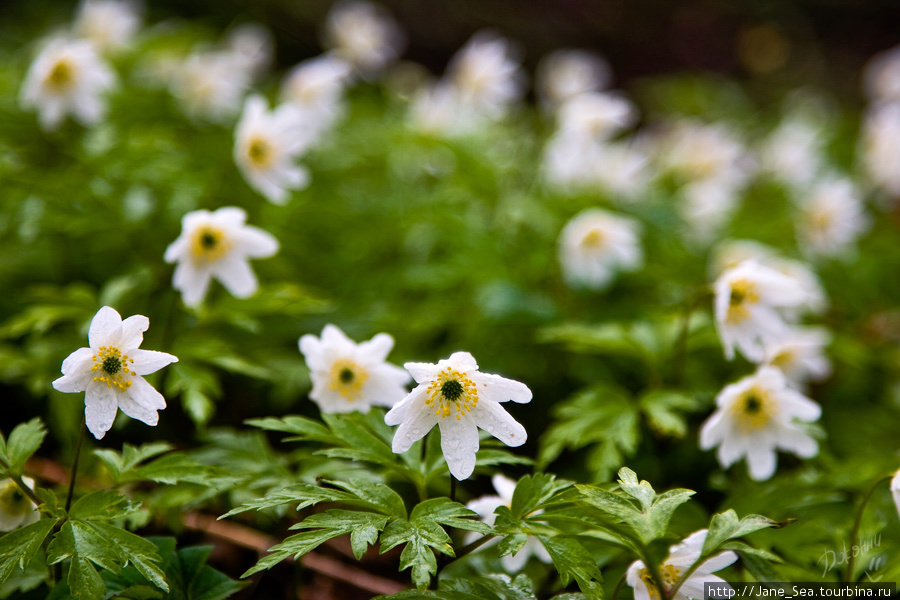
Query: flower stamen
{"type": "Point", "coordinates": [670, 576]}
{"type": "Point", "coordinates": [754, 409]}
{"type": "Point", "coordinates": [112, 366]}
{"type": "Point", "coordinates": [743, 293]}
{"type": "Point", "coordinates": [347, 378]}
{"type": "Point", "coordinates": [209, 244]}
{"type": "Point", "coordinates": [452, 391]}
{"type": "Point", "coordinates": [62, 76]}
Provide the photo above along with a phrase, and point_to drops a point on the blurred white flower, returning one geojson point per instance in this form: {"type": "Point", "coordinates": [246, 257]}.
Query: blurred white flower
{"type": "Point", "coordinates": [755, 418]}
{"type": "Point", "coordinates": [732, 252]}
{"type": "Point", "coordinates": [217, 245]}
{"type": "Point", "coordinates": [363, 34]}
{"type": "Point", "coordinates": [801, 355]}
{"type": "Point", "coordinates": [881, 146]}
{"type": "Point", "coordinates": [595, 245]}
{"type": "Point", "coordinates": [681, 557]}
{"type": "Point", "coordinates": [895, 491]}
{"type": "Point", "coordinates": [753, 304]}
{"type": "Point", "coordinates": [486, 75]}
{"type": "Point", "coordinates": [458, 398]}
{"type": "Point", "coordinates": [16, 510]}
{"type": "Point", "coordinates": [693, 151]}
{"type": "Point", "coordinates": [881, 78]}
{"type": "Point", "coordinates": [831, 219]}
{"type": "Point", "coordinates": [347, 376]}
{"type": "Point", "coordinates": [485, 506]}
{"type": "Point", "coordinates": [316, 87]}
{"type": "Point", "coordinates": [111, 370]}
{"type": "Point", "coordinates": [266, 144]}
{"type": "Point", "coordinates": [793, 152]}
{"type": "Point", "coordinates": [68, 77]}
{"type": "Point", "coordinates": [595, 115]}
{"type": "Point", "coordinates": [108, 24]}
{"type": "Point", "coordinates": [707, 205]}
{"type": "Point", "coordinates": [251, 46]}
{"type": "Point", "coordinates": [211, 84]}
{"type": "Point", "coordinates": [565, 74]}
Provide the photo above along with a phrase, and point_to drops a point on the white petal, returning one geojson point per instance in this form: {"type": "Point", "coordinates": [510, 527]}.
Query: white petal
{"type": "Point", "coordinates": [500, 389]}
{"type": "Point", "coordinates": [192, 282]}
{"type": "Point", "coordinates": [795, 440]}
{"type": "Point", "coordinates": [78, 361]}
{"type": "Point", "coordinates": [461, 361]}
{"type": "Point", "coordinates": [149, 361]}
{"type": "Point", "coordinates": [378, 347]}
{"type": "Point", "coordinates": [459, 441]}
{"type": "Point", "coordinates": [761, 462]}
{"type": "Point", "coordinates": [718, 562]}
{"type": "Point", "coordinates": [504, 486]}
{"type": "Point", "coordinates": [492, 417]}
{"type": "Point", "coordinates": [180, 247]}
{"type": "Point", "coordinates": [9, 522]}
{"type": "Point", "coordinates": [236, 275]}
{"type": "Point", "coordinates": [799, 406]}
{"type": "Point", "coordinates": [106, 328]}
{"type": "Point", "coordinates": [311, 349]}
{"type": "Point", "coordinates": [141, 401]}
{"type": "Point", "coordinates": [255, 243]}
{"type": "Point", "coordinates": [418, 420]}
{"type": "Point", "coordinates": [133, 329]}
{"type": "Point", "coordinates": [485, 506]}
{"type": "Point", "coordinates": [100, 406]}
{"type": "Point", "coordinates": [712, 431]}
{"type": "Point", "coordinates": [75, 382]}
{"type": "Point", "coordinates": [514, 563]}
{"type": "Point", "coordinates": [229, 217]}
{"type": "Point", "coordinates": [730, 451]}
{"type": "Point", "coordinates": [422, 372]}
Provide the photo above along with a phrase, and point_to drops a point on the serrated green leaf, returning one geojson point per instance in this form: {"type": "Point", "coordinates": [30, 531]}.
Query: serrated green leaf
{"type": "Point", "coordinates": [300, 426]}
{"type": "Point", "coordinates": [101, 505]}
{"type": "Point", "coordinates": [176, 468]}
{"type": "Point", "coordinates": [84, 581]}
{"type": "Point", "coordinates": [134, 549]}
{"type": "Point", "coordinates": [726, 525]}
{"type": "Point", "coordinates": [301, 494]}
{"type": "Point", "coordinates": [447, 512]}
{"type": "Point", "coordinates": [24, 441]}
{"type": "Point", "coordinates": [663, 507]}
{"type": "Point", "coordinates": [757, 561]}
{"type": "Point", "coordinates": [641, 491]}
{"type": "Point", "coordinates": [664, 411]}
{"type": "Point", "coordinates": [573, 561]}
{"type": "Point", "coordinates": [511, 544]}
{"type": "Point", "coordinates": [377, 496]}
{"type": "Point", "coordinates": [533, 492]}
{"type": "Point", "coordinates": [19, 546]}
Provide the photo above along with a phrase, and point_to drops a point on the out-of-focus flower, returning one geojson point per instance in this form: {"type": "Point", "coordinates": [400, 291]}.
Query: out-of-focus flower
{"type": "Point", "coordinates": [595, 245]}
{"type": "Point", "coordinates": [363, 34]}
{"type": "Point", "coordinates": [694, 151]}
{"type": "Point", "coordinates": [485, 506]}
{"type": "Point", "coordinates": [755, 418]}
{"type": "Point", "coordinates": [108, 24]}
{"type": "Point", "coordinates": [217, 245]}
{"type": "Point", "coordinates": [707, 205]}
{"type": "Point", "coordinates": [351, 377]}
{"type": "Point", "coordinates": [16, 510]}
{"type": "Point", "coordinates": [753, 304]}
{"type": "Point", "coordinates": [211, 84]}
{"type": "Point", "coordinates": [251, 46]}
{"type": "Point", "coordinates": [881, 78]}
{"type": "Point", "coordinates": [681, 557]}
{"type": "Point", "coordinates": [110, 372]}
{"type": "Point", "coordinates": [831, 219]}
{"type": "Point", "coordinates": [266, 145]}
{"type": "Point", "coordinates": [793, 152]}
{"type": "Point", "coordinates": [316, 87]}
{"type": "Point", "coordinates": [565, 74]}
{"type": "Point", "coordinates": [68, 77]}
{"type": "Point", "coordinates": [486, 75]}
{"type": "Point", "coordinates": [458, 398]}
{"type": "Point", "coordinates": [895, 491]}
{"type": "Point", "coordinates": [597, 116]}
{"type": "Point", "coordinates": [881, 146]}
{"type": "Point", "coordinates": [801, 355]}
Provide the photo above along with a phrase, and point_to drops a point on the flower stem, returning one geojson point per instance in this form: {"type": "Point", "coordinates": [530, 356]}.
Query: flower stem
{"type": "Point", "coordinates": [75, 464]}
{"type": "Point", "coordinates": [469, 548]}
{"type": "Point", "coordinates": [615, 594]}
{"type": "Point", "coordinates": [857, 522]}
{"type": "Point", "coordinates": [452, 488]}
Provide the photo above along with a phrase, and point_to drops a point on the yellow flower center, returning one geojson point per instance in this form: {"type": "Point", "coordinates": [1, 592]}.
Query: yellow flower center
{"type": "Point", "coordinates": [784, 359]}
{"type": "Point", "coordinates": [61, 76]}
{"type": "Point", "coordinates": [209, 244]}
{"type": "Point", "coordinates": [593, 239]}
{"type": "Point", "coordinates": [754, 409]}
{"type": "Point", "coordinates": [112, 368]}
{"type": "Point", "coordinates": [670, 576]}
{"type": "Point", "coordinates": [260, 152]}
{"type": "Point", "coordinates": [347, 379]}
{"type": "Point", "coordinates": [12, 501]}
{"type": "Point", "coordinates": [821, 220]}
{"type": "Point", "coordinates": [743, 293]}
{"type": "Point", "coordinates": [452, 392]}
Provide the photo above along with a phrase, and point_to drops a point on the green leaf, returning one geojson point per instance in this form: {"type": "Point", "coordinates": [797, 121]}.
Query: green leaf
{"type": "Point", "coordinates": [757, 561]}
{"type": "Point", "coordinates": [641, 491]}
{"type": "Point", "coordinates": [130, 457]}
{"type": "Point", "coordinates": [24, 441]}
{"type": "Point", "coordinates": [664, 411]}
{"type": "Point", "coordinates": [725, 526]}
{"type": "Point", "coordinates": [301, 427]}
{"type": "Point", "coordinates": [101, 505]}
{"type": "Point", "coordinates": [490, 587]}
{"type": "Point", "coordinates": [301, 494]}
{"type": "Point", "coordinates": [573, 561]}
{"type": "Point", "coordinates": [448, 512]}
{"type": "Point", "coordinates": [533, 492]}
{"type": "Point", "coordinates": [19, 546]}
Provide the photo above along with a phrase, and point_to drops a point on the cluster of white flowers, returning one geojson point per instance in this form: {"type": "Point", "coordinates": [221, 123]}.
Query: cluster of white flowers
{"type": "Point", "coordinates": [880, 136]}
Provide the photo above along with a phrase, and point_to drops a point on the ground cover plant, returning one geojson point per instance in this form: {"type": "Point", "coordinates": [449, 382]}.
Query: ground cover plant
{"type": "Point", "coordinates": [435, 336]}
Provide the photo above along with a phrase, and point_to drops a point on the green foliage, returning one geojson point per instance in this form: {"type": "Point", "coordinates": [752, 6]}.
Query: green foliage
{"type": "Point", "coordinates": [24, 440]}
{"type": "Point", "coordinates": [496, 587]}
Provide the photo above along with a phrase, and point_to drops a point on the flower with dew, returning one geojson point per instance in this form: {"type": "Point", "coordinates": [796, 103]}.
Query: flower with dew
{"type": "Point", "coordinates": [831, 219]}
{"type": "Point", "coordinates": [211, 84]}
{"type": "Point", "coordinates": [486, 75]}
{"type": "Point", "coordinates": [801, 355]}
{"type": "Point", "coordinates": [347, 376]}
{"type": "Point", "coordinates": [110, 372]}
{"type": "Point", "coordinates": [316, 87]}
{"type": "Point", "coordinates": [68, 77]}
{"type": "Point", "coordinates": [595, 245]}
{"type": "Point", "coordinates": [681, 557]}
{"type": "Point", "coordinates": [565, 74]}
{"type": "Point", "coordinates": [217, 245]}
{"type": "Point", "coordinates": [458, 398]}
{"type": "Point", "coordinates": [363, 34]}
{"type": "Point", "coordinates": [108, 24]}
{"type": "Point", "coordinates": [266, 144]}
{"type": "Point", "coordinates": [16, 509]}
{"type": "Point", "coordinates": [754, 304]}
{"type": "Point", "coordinates": [485, 507]}
{"type": "Point", "coordinates": [757, 416]}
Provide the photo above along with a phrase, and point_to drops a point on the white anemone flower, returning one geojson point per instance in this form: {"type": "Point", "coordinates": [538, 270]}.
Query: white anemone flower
{"type": "Point", "coordinates": [595, 245]}
{"type": "Point", "coordinates": [753, 306]}
{"type": "Point", "coordinates": [801, 355]}
{"type": "Point", "coordinates": [681, 557]}
{"type": "Point", "coordinates": [793, 152]}
{"type": "Point", "coordinates": [16, 509]}
{"type": "Point", "coordinates": [565, 74]}
{"type": "Point", "coordinates": [266, 144]}
{"type": "Point", "coordinates": [316, 87]}
{"type": "Point", "coordinates": [596, 115]}
{"type": "Point", "coordinates": [252, 47]}
{"type": "Point", "coordinates": [831, 219]}
{"type": "Point", "coordinates": [881, 78]}
{"type": "Point", "coordinates": [485, 507]}
{"type": "Point", "coordinates": [755, 417]}
{"type": "Point", "coordinates": [459, 399]}
{"type": "Point", "coordinates": [363, 34]}
{"type": "Point", "coordinates": [349, 377]}
{"type": "Point", "coordinates": [487, 75]}
{"type": "Point", "coordinates": [881, 146]}
{"type": "Point", "coordinates": [68, 77]}
{"type": "Point", "coordinates": [110, 372]}
{"type": "Point", "coordinates": [217, 245]}
{"type": "Point", "coordinates": [707, 205]}
{"type": "Point", "coordinates": [211, 84]}
{"type": "Point", "coordinates": [694, 150]}
{"type": "Point", "coordinates": [108, 24]}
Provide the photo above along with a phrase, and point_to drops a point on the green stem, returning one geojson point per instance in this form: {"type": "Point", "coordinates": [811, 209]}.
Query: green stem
{"type": "Point", "coordinates": [656, 576]}
{"type": "Point", "coordinates": [469, 548]}
{"type": "Point", "coordinates": [687, 574]}
{"type": "Point", "coordinates": [75, 464]}
{"type": "Point", "coordinates": [619, 584]}
{"type": "Point", "coordinates": [680, 350]}
{"type": "Point", "coordinates": [857, 522]}
{"type": "Point", "coordinates": [452, 488]}
{"type": "Point", "coordinates": [21, 484]}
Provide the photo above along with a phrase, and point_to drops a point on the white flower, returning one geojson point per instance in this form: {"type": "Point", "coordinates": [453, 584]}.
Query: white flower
{"type": "Point", "coordinates": [217, 244]}
{"type": "Point", "coordinates": [831, 219]}
{"type": "Point", "coordinates": [895, 491]}
{"type": "Point", "coordinates": [801, 355]}
{"type": "Point", "coordinates": [486, 75]}
{"type": "Point", "coordinates": [793, 152]}
{"type": "Point", "coordinates": [350, 377]}
{"type": "Point", "coordinates": [485, 506]}
{"type": "Point", "coordinates": [210, 84]}
{"type": "Point", "coordinates": [16, 510]}
{"type": "Point", "coordinates": [596, 115]}
{"type": "Point", "coordinates": [681, 557]}
{"type": "Point", "coordinates": [755, 417]}
{"type": "Point", "coordinates": [695, 150]}
{"type": "Point", "coordinates": [266, 143]}
{"type": "Point", "coordinates": [316, 87]}
{"type": "Point", "coordinates": [458, 398]}
{"type": "Point", "coordinates": [596, 244]}
{"type": "Point", "coordinates": [753, 304]}
{"type": "Point", "coordinates": [881, 78]}
{"type": "Point", "coordinates": [111, 370]}
{"type": "Point", "coordinates": [564, 74]}
{"type": "Point", "coordinates": [68, 77]}
{"type": "Point", "coordinates": [108, 24]}
{"type": "Point", "coordinates": [436, 109]}
{"type": "Point", "coordinates": [252, 47]}
{"type": "Point", "coordinates": [881, 146]}
{"type": "Point", "coordinates": [707, 205]}
{"type": "Point", "coordinates": [363, 34]}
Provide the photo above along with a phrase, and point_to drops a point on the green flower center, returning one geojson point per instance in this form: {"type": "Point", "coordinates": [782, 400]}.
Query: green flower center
{"type": "Point", "coordinates": [346, 375]}
{"type": "Point", "coordinates": [208, 240]}
{"type": "Point", "coordinates": [452, 390]}
{"type": "Point", "coordinates": [61, 76]}
{"type": "Point", "coordinates": [752, 405]}
{"type": "Point", "coordinates": [112, 364]}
